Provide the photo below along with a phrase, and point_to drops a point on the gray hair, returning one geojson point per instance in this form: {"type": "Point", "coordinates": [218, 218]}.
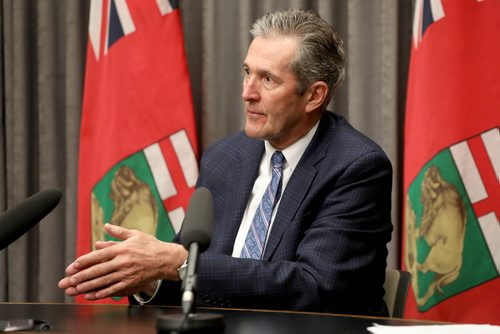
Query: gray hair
{"type": "Point", "coordinates": [320, 55]}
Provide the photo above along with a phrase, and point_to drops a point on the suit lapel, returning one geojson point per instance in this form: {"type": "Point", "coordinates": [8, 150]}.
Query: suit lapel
{"type": "Point", "coordinates": [241, 176]}
{"type": "Point", "coordinates": [298, 186]}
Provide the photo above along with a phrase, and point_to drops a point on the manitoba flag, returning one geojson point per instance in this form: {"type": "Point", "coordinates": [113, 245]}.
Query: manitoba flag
{"type": "Point", "coordinates": [452, 162]}
{"type": "Point", "coordinates": [138, 149]}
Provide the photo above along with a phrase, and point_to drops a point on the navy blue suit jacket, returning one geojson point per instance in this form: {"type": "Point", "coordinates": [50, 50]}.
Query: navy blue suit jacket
{"type": "Point", "coordinates": [327, 248]}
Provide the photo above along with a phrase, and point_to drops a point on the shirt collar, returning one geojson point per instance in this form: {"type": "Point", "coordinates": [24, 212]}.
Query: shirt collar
{"type": "Point", "coordinates": [294, 152]}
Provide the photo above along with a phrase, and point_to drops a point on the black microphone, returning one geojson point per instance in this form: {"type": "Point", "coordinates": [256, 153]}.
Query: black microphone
{"type": "Point", "coordinates": [21, 218]}
{"type": "Point", "coordinates": [196, 234]}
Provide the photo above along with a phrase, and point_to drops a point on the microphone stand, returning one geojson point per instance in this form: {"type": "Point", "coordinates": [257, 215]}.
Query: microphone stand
{"type": "Point", "coordinates": [190, 321]}
{"type": "Point", "coordinates": [189, 284]}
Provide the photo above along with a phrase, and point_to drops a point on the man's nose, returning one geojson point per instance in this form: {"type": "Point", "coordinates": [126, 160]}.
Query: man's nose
{"type": "Point", "coordinates": [250, 90]}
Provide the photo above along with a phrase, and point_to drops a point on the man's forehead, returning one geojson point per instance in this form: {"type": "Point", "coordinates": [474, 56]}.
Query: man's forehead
{"type": "Point", "coordinates": [271, 52]}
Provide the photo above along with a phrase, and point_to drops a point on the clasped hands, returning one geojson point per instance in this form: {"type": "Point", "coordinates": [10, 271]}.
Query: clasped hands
{"type": "Point", "coordinates": [123, 268]}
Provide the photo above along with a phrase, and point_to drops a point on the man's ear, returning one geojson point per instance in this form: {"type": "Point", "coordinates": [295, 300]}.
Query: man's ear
{"type": "Point", "coordinates": [316, 95]}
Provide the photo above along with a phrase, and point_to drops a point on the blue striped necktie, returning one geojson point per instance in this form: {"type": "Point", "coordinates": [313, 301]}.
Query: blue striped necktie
{"type": "Point", "coordinates": [256, 237]}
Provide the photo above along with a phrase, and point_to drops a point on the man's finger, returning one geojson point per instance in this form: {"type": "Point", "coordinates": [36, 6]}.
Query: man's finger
{"type": "Point", "coordinates": [71, 270]}
{"type": "Point", "coordinates": [116, 289]}
{"type": "Point", "coordinates": [64, 283]}
{"type": "Point", "coordinates": [95, 277]}
{"type": "Point", "coordinates": [112, 284]}
{"type": "Point", "coordinates": [118, 231]}
{"type": "Point", "coordinates": [104, 244]}
{"type": "Point", "coordinates": [71, 292]}
{"type": "Point", "coordinates": [90, 296]}
{"type": "Point", "coordinates": [96, 284]}
{"type": "Point", "coordinates": [91, 259]}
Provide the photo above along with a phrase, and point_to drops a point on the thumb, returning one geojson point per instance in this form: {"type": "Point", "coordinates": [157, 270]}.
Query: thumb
{"type": "Point", "coordinates": [118, 231]}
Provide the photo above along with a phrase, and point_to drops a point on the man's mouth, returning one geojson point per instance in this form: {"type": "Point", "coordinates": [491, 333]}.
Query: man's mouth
{"type": "Point", "coordinates": [254, 112]}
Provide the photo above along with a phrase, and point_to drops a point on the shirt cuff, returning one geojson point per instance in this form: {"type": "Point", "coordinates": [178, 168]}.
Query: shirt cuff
{"type": "Point", "coordinates": [142, 298]}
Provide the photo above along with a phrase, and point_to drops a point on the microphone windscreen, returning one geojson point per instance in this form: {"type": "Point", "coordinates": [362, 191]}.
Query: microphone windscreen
{"type": "Point", "coordinates": [198, 223]}
{"type": "Point", "coordinates": [21, 218]}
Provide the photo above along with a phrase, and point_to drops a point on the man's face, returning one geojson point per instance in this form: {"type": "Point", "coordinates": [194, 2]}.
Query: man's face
{"type": "Point", "coordinates": [274, 111]}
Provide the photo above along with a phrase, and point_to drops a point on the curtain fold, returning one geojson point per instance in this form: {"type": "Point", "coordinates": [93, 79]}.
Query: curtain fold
{"type": "Point", "coordinates": [43, 56]}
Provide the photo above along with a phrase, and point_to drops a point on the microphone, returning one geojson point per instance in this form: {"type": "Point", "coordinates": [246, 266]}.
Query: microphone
{"type": "Point", "coordinates": [196, 234]}
{"type": "Point", "coordinates": [21, 218]}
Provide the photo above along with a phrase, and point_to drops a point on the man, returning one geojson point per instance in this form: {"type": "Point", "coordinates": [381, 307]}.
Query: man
{"type": "Point", "coordinates": [308, 232]}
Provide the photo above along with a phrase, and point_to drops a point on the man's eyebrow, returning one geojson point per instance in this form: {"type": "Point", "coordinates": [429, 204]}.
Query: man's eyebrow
{"type": "Point", "coordinates": [260, 71]}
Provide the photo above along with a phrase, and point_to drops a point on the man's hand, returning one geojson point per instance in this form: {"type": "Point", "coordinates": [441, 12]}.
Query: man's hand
{"type": "Point", "coordinates": [123, 268]}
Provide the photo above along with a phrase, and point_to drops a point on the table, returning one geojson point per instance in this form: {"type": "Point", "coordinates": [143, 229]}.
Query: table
{"type": "Point", "coordinates": [114, 319]}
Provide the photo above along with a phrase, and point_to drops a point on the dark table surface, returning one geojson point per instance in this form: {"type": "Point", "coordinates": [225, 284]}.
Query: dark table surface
{"type": "Point", "coordinates": [96, 318]}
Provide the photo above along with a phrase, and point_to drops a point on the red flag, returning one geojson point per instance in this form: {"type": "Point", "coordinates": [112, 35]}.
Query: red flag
{"type": "Point", "coordinates": [452, 162]}
{"type": "Point", "coordinates": [138, 148]}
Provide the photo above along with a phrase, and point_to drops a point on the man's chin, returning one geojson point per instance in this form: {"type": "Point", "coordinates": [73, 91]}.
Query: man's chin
{"type": "Point", "coordinates": [253, 133]}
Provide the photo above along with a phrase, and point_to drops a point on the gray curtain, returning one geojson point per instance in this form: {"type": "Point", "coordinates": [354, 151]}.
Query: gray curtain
{"type": "Point", "coordinates": [42, 69]}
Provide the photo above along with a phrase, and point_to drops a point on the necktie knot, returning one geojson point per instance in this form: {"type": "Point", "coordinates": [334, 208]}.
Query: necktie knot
{"type": "Point", "coordinates": [277, 160]}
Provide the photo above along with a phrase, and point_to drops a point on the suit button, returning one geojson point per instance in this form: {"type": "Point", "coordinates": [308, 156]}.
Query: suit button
{"type": "Point", "coordinates": [207, 299]}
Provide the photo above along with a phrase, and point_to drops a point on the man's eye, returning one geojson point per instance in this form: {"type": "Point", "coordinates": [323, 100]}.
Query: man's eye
{"type": "Point", "coordinates": [246, 71]}
{"type": "Point", "coordinates": [268, 79]}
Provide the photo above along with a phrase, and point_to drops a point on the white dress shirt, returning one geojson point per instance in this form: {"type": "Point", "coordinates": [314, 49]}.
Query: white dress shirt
{"type": "Point", "coordinates": [292, 154]}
